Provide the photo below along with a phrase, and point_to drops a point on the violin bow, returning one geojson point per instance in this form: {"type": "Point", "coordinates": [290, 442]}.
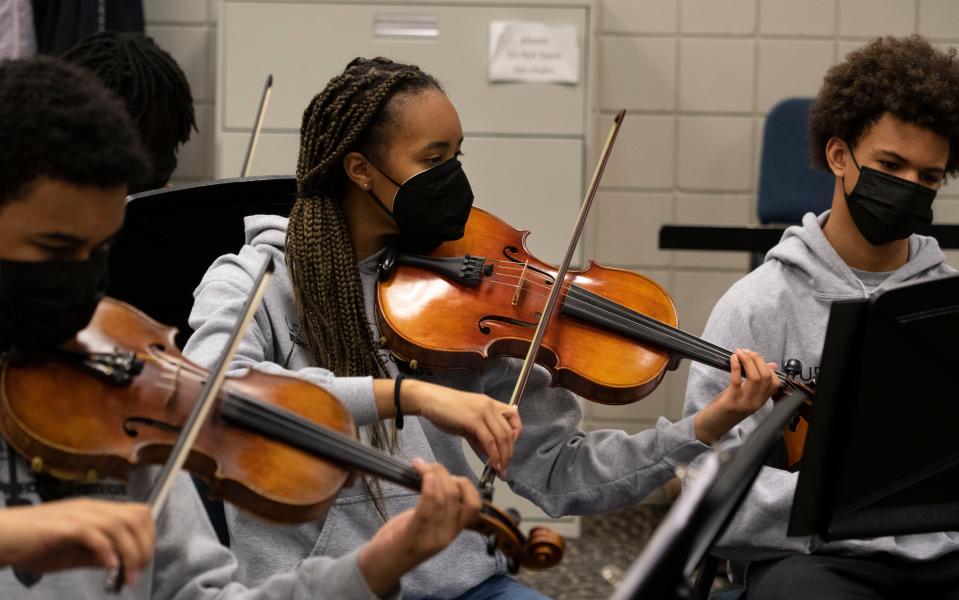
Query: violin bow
{"type": "Point", "coordinates": [201, 410]}
{"type": "Point", "coordinates": [258, 126]}
{"type": "Point", "coordinates": [486, 481]}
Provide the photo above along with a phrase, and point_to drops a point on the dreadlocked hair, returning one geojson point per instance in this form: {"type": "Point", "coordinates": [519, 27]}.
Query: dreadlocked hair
{"type": "Point", "coordinates": [352, 113]}
{"type": "Point", "coordinates": [153, 87]}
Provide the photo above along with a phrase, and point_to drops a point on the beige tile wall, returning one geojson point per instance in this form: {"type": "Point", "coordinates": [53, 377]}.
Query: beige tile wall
{"type": "Point", "coordinates": [698, 77]}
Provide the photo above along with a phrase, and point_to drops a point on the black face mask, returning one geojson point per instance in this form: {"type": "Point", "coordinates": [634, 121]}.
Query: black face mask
{"type": "Point", "coordinates": [431, 207]}
{"type": "Point", "coordinates": [44, 304]}
{"type": "Point", "coordinates": [887, 208]}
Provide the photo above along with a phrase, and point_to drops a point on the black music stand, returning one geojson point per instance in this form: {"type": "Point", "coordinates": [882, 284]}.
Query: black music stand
{"type": "Point", "coordinates": [882, 452]}
{"type": "Point", "coordinates": [702, 512]}
{"type": "Point", "coordinates": [171, 236]}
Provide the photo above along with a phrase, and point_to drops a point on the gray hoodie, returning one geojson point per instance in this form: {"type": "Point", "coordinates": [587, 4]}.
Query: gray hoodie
{"type": "Point", "coordinates": [781, 311]}
{"type": "Point", "coordinates": [557, 466]}
{"type": "Point", "coordinates": [189, 562]}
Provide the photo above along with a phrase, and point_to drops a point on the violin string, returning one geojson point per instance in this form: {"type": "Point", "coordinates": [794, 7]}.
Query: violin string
{"type": "Point", "coordinates": [363, 454]}
{"type": "Point", "coordinates": [358, 455]}
{"type": "Point", "coordinates": [707, 349]}
{"type": "Point", "coordinates": [718, 352]}
{"type": "Point", "coordinates": [637, 319]}
{"type": "Point", "coordinates": [782, 377]}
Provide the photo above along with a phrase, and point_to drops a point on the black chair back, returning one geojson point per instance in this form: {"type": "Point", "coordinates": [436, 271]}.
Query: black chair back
{"type": "Point", "coordinates": [171, 236]}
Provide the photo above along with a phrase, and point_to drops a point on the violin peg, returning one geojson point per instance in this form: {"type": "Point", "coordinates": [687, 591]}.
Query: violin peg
{"type": "Point", "coordinates": [793, 368]}
{"type": "Point", "coordinates": [491, 543]}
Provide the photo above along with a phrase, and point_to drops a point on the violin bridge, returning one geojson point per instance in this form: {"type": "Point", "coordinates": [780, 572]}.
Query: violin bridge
{"type": "Point", "coordinates": [170, 381]}
{"type": "Point", "coordinates": [520, 283]}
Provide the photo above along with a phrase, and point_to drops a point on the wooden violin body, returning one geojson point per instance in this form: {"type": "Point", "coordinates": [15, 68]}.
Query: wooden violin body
{"type": "Point", "coordinates": [610, 340]}
{"type": "Point", "coordinates": [794, 435]}
{"type": "Point", "coordinates": [441, 322]}
{"type": "Point", "coordinates": [74, 424]}
{"type": "Point", "coordinates": [276, 446]}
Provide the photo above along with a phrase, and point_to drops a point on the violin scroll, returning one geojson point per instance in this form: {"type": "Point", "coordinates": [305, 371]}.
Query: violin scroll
{"type": "Point", "coordinates": [542, 549]}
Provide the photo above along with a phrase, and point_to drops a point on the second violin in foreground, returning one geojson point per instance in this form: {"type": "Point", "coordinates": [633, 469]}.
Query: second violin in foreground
{"type": "Point", "coordinates": [276, 446]}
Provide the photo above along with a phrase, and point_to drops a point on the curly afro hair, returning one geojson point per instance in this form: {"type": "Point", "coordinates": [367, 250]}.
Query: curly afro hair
{"type": "Point", "coordinates": [154, 88]}
{"type": "Point", "coordinates": [906, 77]}
{"type": "Point", "coordinates": [59, 121]}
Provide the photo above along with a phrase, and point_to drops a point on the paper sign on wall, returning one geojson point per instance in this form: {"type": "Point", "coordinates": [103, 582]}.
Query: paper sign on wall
{"type": "Point", "coordinates": [523, 51]}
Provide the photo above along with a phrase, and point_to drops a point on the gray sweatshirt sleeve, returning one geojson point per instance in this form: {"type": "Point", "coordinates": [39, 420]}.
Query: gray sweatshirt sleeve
{"type": "Point", "coordinates": [190, 563]}
{"type": "Point", "coordinates": [218, 304]}
{"type": "Point", "coordinates": [565, 470]}
{"type": "Point", "coordinates": [758, 529]}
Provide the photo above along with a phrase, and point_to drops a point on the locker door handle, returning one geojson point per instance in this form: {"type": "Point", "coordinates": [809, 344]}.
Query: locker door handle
{"type": "Point", "coordinates": [418, 26]}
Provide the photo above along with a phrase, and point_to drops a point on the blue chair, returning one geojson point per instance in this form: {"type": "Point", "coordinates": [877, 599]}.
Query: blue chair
{"type": "Point", "coordinates": [789, 186]}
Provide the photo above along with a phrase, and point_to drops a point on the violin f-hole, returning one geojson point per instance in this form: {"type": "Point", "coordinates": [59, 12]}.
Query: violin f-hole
{"type": "Point", "coordinates": [129, 425]}
{"type": "Point", "coordinates": [486, 330]}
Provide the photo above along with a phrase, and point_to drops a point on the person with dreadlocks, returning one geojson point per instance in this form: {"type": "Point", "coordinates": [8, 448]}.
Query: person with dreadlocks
{"type": "Point", "coordinates": [379, 148]}
{"type": "Point", "coordinates": [154, 89]}
{"type": "Point", "coordinates": [69, 153]}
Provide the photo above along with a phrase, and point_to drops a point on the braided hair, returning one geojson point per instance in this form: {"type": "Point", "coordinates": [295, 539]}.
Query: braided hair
{"type": "Point", "coordinates": [354, 112]}
{"type": "Point", "coordinates": [154, 88]}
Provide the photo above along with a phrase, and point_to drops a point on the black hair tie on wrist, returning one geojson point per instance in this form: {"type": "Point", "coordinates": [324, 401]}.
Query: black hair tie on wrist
{"type": "Point", "coordinates": [396, 400]}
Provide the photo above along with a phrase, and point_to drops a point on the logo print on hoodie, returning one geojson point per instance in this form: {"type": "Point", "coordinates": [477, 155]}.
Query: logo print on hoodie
{"type": "Point", "coordinates": [808, 374]}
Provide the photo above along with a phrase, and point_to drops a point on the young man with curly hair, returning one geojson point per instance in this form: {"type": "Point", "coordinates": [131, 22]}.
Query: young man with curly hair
{"type": "Point", "coordinates": [886, 124]}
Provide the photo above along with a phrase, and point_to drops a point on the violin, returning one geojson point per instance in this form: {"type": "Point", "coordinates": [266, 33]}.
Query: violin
{"type": "Point", "coordinates": [611, 338]}
{"type": "Point", "coordinates": [276, 446]}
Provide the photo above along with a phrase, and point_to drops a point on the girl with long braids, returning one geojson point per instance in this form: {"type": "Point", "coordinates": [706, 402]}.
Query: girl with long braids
{"type": "Point", "coordinates": [64, 172]}
{"type": "Point", "coordinates": [379, 148]}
